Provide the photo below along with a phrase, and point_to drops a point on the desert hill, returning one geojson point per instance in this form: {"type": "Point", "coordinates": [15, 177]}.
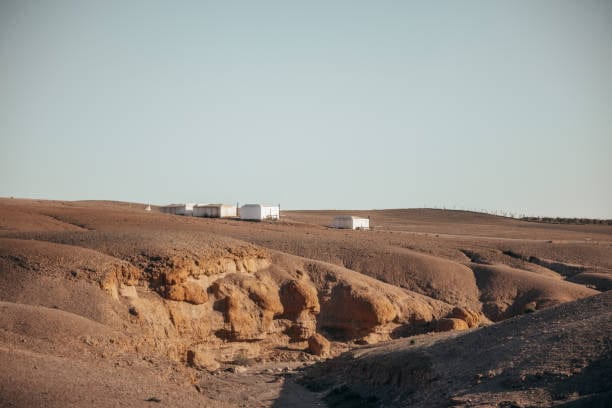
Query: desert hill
{"type": "Point", "coordinates": [158, 306]}
{"type": "Point", "coordinates": [561, 356]}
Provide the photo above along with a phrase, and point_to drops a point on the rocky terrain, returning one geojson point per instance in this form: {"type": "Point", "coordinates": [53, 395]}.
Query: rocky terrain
{"type": "Point", "coordinates": [560, 356]}
{"type": "Point", "coordinates": [106, 304]}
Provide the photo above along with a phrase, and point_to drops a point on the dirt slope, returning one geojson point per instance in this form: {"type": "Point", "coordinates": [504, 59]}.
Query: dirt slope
{"type": "Point", "coordinates": [507, 292]}
{"type": "Point", "coordinates": [562, 355]}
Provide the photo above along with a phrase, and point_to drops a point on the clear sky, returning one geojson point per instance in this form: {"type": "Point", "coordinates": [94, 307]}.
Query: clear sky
{"type": "Point", "coordinates": [311, 104]}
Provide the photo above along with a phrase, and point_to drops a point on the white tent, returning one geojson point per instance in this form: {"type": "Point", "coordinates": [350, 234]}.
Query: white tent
{"type": "Point", "coordinates": [214, 210]}
{"type": "Point", "coordinates": [178, 209]}
{"type": "Point", "coordinates": [259, 212]}
{"type": "Point", "coordinates": [350, 222]}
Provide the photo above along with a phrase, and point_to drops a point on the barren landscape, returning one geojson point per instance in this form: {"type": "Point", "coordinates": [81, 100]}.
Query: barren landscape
{"type": "Point", "coordinates": [105, 304]}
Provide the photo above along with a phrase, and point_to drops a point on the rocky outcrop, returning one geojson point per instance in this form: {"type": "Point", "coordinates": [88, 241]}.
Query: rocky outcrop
{"type": "Point", "coordinates": [301, 306]}
{"type": "Point", "coordinates": [186, 277]}
{"type": "Point", "coordinates": [319, 345]}
{"type": "Point", "coordinates": [120, 274]}
{"type": "Point", "coordinates": [354, 311]}
{"type": "Point", "coordinates": [304, 326]}
{"type": "Point", "coordinates": [248, 304]}
{"type": "Point", "coordinates": [201, 358]}
{"type": "Point", "coordinates": [229, 298]}
{"type": "Point", "coordinates": [470, 317]}
{"type": "Point", "coordinates": [178, 269]}
{"type": "Point", "coordinates": [449, 324]}
{"type": "Point", "coordinates": [190, 292]}
{"type": "Point", "coordinates": [299, 296]}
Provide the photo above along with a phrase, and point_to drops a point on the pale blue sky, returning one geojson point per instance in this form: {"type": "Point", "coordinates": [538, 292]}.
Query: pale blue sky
{"type": "Point", "coordinates": [317, 104]}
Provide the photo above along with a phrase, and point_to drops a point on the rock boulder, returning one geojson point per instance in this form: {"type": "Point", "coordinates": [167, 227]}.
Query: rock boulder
{"type": "Point", "coordinates": [355, 311]}
{"type": "Point", "coordinates": [449, 324]}
{"type": "Point", "coordinates": [470, 317]}
{"type": "Point", "coordinates": [319, 345]}
{"type": "Point", "coordinates": [201, 360]}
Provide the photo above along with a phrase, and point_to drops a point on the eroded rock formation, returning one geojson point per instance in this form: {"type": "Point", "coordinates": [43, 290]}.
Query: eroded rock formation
{"type": "Point", "coordinates": [354, 311]}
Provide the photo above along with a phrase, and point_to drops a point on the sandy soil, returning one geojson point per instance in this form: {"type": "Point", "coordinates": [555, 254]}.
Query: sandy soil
{"type": "Point", "coordinates": [105, 304]}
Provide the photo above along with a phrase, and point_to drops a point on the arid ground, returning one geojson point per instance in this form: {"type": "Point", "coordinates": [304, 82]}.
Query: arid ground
{"type": "Point", "coordinates": [105, 304]}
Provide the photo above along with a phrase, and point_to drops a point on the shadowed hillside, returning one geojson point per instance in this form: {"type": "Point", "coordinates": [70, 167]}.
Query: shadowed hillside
{"type": "Point", "coordinates": [561, 356]}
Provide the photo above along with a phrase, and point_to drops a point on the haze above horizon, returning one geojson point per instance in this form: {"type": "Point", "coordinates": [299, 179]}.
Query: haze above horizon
{"type": "Point", "coordinates": [317, 105]}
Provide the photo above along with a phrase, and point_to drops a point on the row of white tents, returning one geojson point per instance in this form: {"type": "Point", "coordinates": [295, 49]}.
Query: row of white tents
{"type": "Point", "coordinates": [255, 212]}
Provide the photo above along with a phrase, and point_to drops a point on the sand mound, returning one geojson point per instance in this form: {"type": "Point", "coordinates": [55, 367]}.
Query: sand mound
{"type": "Point", "coordinates": [506, 291]}
{"type": "Point", "coordinates": [32, 379]}
{"type": "Point", "coordinates": [428, 275]}
{"type": "Point", "coordinates": [597, 280]}
{"type": "Point", "coordinates": [19, 216]}
{"type": "Point", "coordinates": [52, 325]}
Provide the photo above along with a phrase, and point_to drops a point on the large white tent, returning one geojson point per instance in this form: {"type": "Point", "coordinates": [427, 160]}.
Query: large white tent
{"type": "Point", "coordinates": [350, 222]}
{"type": "Point", "coordinates": [259, 212]}
{"type": "Point", "coordinates": [178, 209]}
{"type": "Point", "coordinates": [214, 210]}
